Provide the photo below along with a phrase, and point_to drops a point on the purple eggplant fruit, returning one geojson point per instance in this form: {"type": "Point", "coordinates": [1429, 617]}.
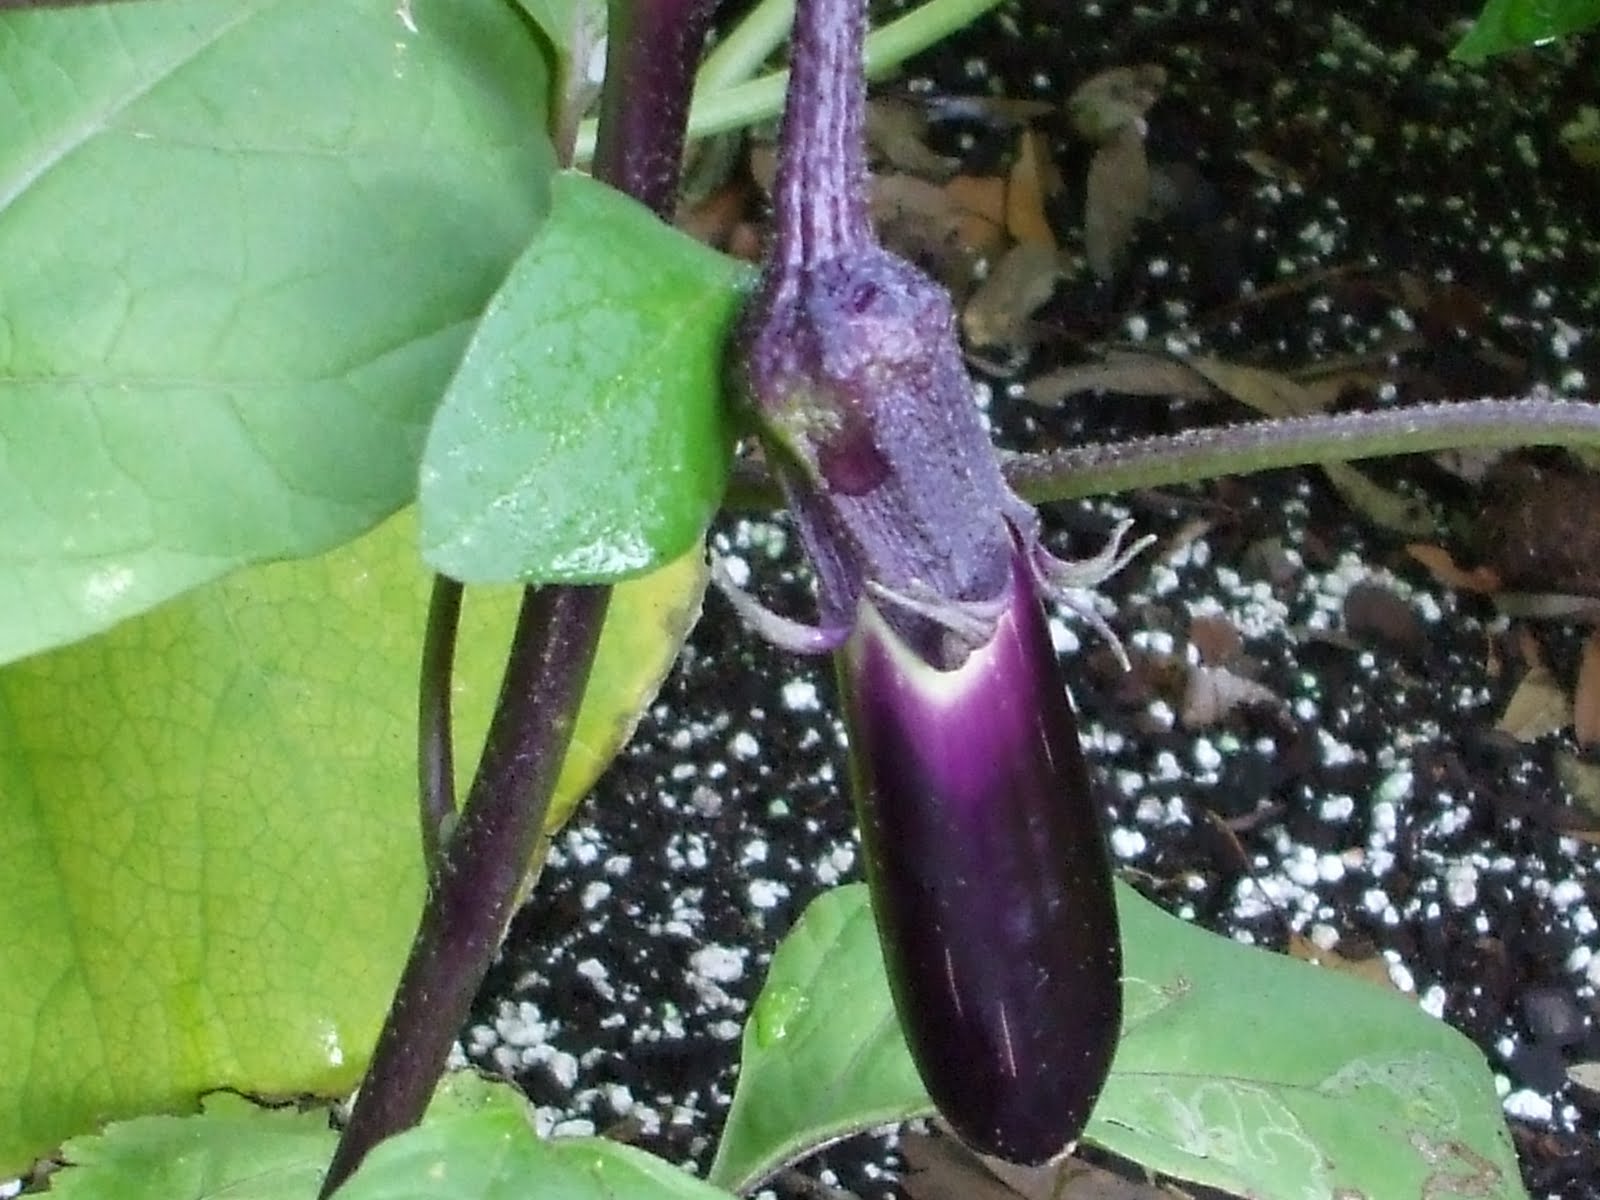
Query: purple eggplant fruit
{"type": "Point", "coordinates": [989, 876]}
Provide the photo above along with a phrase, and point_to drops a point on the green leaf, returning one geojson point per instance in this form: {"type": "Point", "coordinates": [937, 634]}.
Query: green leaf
{"type": "Point", "coordinates": [233, 1149]}
{"type": "Point", "coordinates": [485, 1148]}
{"type": "Point", "coordinates": [1237, 1069]}
{"type": "Point", "coordinates": [1512, 24]}
{"type": "Point", "coordinates": [584, 438]}
{"type": "Point", "coordinates": [244, 246]}
{"type": "Point", "coordinates": [476, 1141]}
{"type": "Point", "coordinates": [822, 1055]}
{"type": "Point", "coordinates": [212, 862]}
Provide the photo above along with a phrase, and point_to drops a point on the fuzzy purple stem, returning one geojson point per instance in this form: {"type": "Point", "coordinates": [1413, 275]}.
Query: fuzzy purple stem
{"type": "Point", "coordinates": [475, 884]}
{"type": "Point", "coordinates": [821, 197]}
{"type": "Point", "coordinates": [652, 49]}
{"type": "Point", "coordinates": [481, 867]}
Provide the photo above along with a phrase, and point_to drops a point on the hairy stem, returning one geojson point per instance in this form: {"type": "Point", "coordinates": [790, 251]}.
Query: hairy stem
{"type": "Point", "coordinates": [652, 48]}
{"type": "Point", "coordinates": [475, 884]}
{"type": "Point", "coordinates": [1106, 468]}
{"type": "Point", "coordinates": [1269, 445]}
{"type": "Point", "coordinates": [479, 869]}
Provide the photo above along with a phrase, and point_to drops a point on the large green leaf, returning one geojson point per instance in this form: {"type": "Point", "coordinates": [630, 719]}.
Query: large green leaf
{"type": "Point", "coordinates": [244, 244]}
{"type": "Point", "coordinates": [211, 853]}
{"type": "Point", "coordinates": [1512, 24]}
{"type": "Point", "coordinates": [476, 1142]}
{"type": "Point", "coordinates": [585, 438]}
{"type": "Point", "coordinates": [1237, 1069]}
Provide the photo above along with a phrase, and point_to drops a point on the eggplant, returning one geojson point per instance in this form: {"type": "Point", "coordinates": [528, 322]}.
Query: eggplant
{"type": "Point", "coordinates": [989, 877]}
{"type": "Point", "coordinates": [988, 872]}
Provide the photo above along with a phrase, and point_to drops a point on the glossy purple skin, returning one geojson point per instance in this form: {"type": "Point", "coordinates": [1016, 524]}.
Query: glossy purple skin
{"type": "Point", "coordinates": [990, 879]}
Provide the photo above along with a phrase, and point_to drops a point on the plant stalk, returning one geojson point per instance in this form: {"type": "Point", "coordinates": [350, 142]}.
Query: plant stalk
{"type": "Point", "coordinates": [652, 45]}
{"type": "Point", "coordinates": [820, 196]}
{"type": "Point", "coordinates": [475, 884]}
{"type": "Point", "coordinates": [653, 48]}
{"type": "Point", "coordinates": [1105, 468]}
{"type": "Point", "coordinates": [745, 47]}
{"type": "Point", "coordinates": [1298, 441]}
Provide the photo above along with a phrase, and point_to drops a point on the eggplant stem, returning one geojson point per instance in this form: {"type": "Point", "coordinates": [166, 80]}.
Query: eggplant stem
{"type": "Point", "coordinates": [474, 886]}
{"type": "Point", "coordinates": [479, 869]}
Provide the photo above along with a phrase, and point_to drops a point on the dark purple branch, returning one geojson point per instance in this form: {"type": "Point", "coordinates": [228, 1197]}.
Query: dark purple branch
{"type": "Point", "coordinates": [474, 887]}
{"type": "Point", "coordinates": [655, 47]}
{"type": "Point", "coordinates": [436, 784]}
{"type": "Point", "coordinates": [652, 50]}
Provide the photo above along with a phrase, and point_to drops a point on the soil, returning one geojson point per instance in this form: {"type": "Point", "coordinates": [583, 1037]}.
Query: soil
{"type": "Point", "coordinates": [1350, 195]}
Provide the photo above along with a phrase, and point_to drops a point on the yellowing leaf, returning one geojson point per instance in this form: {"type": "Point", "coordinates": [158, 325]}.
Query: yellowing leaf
{"type": "Point", "coordinates": [212, 859]}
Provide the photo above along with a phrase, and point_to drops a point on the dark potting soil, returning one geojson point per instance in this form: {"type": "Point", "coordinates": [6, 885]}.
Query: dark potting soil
{"type": "Point", "coordinates": [1354, 194]}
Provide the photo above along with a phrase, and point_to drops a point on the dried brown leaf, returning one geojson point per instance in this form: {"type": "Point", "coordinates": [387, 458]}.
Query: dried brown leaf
{"type": "Point", "coordinates": [1072, 1179]}
{"type": "Point", "coordinates": [1268, 167]}
{"type": "Point", "coordinates": [1437, 562]}
{"type": "Point", "coordinates": [1217, 639]}
{"type": "Point", "coordinates": [716, 217]}
{"type": "Point", "coordinates": [1326, 390]}
{"type": "Point", "coordinates": [1537, 707]}
{"type": "Point", "coordinates": [896, 135]}
{"type": "Point", "coordinates": [762, 162]}
{"type": "Point", "coordinates": [1123, 373]}
{"type": "Point", "coordinates": [1538, 526]}
{"type": "Point", "coordinates": [1034, 179]}
{"type": "Point", "coordinates": [981, 202]}
{"type": "Point", "coordinates": [1117, 197]}
{"type": "Point", "coordinates": [1269, 393]}
{"type": "Point", "coordinates": [1394, 511]}
{"type": "Point", "coordinates": [927, 224]}
{"type": "Point", "coordinates": [1586, 1075]}
{"type": "Point", "coordinates": [1211, 693]}
{"type": "Point", "coordinates": [942, 1169]}
{"type": "Point", "coordinates": [1586, 694]}
{"type": "Point", "coordinates": [991, 110]}
{"type": "Point", "coordinates": [1107, 104]}
{"type": "Point", "coordinates": [980, 195]}
{"type": "Point", "coordinates": [1374, 969]}
{"type": "Point", "coordinates": [1016, 287]}
{"type": "Point", "coordinates": [1373, 613]}
{"type": "Point", "coordinates": [1548, 606]}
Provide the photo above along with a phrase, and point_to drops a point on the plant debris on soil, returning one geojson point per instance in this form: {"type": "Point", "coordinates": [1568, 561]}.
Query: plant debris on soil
{"type": "Point", "coordinates": [1361, 719]}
